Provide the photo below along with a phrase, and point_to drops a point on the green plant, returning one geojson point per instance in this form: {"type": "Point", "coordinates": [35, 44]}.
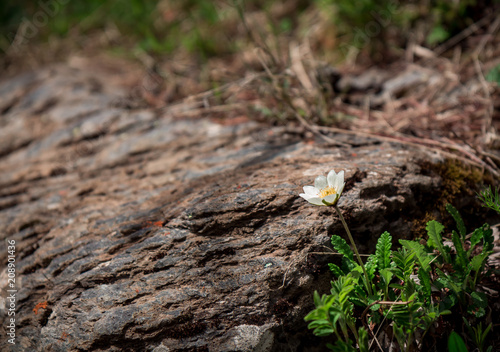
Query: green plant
{"type": "Point", "coordinates": [456, 343]}
{"type": "Point", "coordinates": [362, 24]}
{"type": "Point", "coordinates": [407, 290]}
{"type": "Point", "coordinates": [448, 18]}
{"type": "Point", "coordinates": [478, 335]}
{"type": "Point", "coordinates": [156, 27]}
{"type": "Point", "coordinates": [326, 192]}
{"type": "Point", "coordinates": [383, 26]}
{"type": "Point", "coordinates": [490, 197]}
{"type": "Point", "coordinates": [461, 272]}
{"type": "Point", "coordinates": [334, 314]}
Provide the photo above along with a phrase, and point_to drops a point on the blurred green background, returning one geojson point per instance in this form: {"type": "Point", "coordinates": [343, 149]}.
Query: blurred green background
{"type": "Point", "coordinates": [211, 28]}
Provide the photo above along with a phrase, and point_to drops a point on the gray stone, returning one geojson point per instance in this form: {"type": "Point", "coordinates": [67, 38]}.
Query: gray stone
{"type": "Point", "coordinates": [145, 232]}
{"type": "Point", "coordinates": [248, 338]}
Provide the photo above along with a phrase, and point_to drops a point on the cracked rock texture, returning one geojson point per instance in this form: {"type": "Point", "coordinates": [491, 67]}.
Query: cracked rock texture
{"type": "Point", "coordinates": [145, 232]}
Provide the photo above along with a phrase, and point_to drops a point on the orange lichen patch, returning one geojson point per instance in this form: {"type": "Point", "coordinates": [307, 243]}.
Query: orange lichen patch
{"type": "Point", "coordinates": [152, 224]}
{"type": "Point", "coordinates": [40, 305]}
{"type": "Point", "coordinates": [64, 335]}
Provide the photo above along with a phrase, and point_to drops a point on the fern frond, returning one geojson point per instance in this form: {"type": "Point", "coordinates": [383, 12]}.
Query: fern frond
{"type": "Point", "coordinates": [383, 251]}
{"type": "Point", "coordinates": [458, 219]}
{"type": "Point", "coordinates": [341, 246]}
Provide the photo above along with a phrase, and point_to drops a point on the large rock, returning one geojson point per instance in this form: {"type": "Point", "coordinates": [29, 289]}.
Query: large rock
{"type": "Point", "coordinates": [138, 231]}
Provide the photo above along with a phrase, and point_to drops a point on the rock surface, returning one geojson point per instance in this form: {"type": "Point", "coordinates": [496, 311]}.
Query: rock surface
{"type": "Point", "coordinates": [138, 231]}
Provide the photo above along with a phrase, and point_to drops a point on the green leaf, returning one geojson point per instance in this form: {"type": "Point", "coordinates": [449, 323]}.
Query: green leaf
{"type": "Point", "coordinates": [423, 258]}
{"type": "Point", "coordinates": [458, 219]}
{"type": "Point", "coordinates": [425, 282]}
{"type": "Point", "coordinates": [342, 346]}
{"type": "Point", "coordinates": [348, 265]}
{"type": "Point", "coordinates": [399, 333]}
{"type": "Point", "coordinates": [386, 275]}
{"type": "Point", "coordinates": [383, 251]}
{"type": "Point", "coordinates": [318, 323]}
{"type": "Point", "coordinates": [335, 314]}
{"type": "Point", "coordinates": [456, 343]}
{"type": "Point", "coordinates": [486, 331]}
{"type": "Point", "coordinates": [438, 34]}
{"type": "Point", "coordinates": [435, 240]}
{"type": "Point", "coordinates": [363, 340]}
{"type": "Point", "coordinates": [356, 273]}
{"type": "Point", "coordinates": [487, 238]}
{"type": "Point", "coordinates": [371, 266]}
{"type": "Point", "coordinates": [341, 246]}
{"type": "Point", "coordinates": [478, 313]}
{"type": "Point", "coordinates": [479, 299]}
{"type": "Point", "coordinates": [315, 314]}
{"type": "Point", "coordinates": [444, 281]}
{"type": "Point", "coordinates": [335, 270]}
{"type": "Point", "coordinates": [476, 262]}
{"type": "Point", "coordinates": [461, 255]}
{"type": "Point", "coordinates": [317, 299]}
{"type": "Point", "coordinates": [323, 331]}
{"type": "Point", "coordinates": [434, 229]}
{"type": "Point", "coordinates": [475, 238]}
{"type": "Point", "coordinates": [403, 263]}
{"type": "Point", "coordinates": [359, 302]}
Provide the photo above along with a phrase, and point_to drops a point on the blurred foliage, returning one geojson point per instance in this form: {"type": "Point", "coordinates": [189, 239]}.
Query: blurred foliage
{"type": "Point", "coordinates": [448, 18]}
{"type": "Point", "coordinates": [379, 25]}
{"type": "Point", "coordinates": [208, 28]}
{"type": "Point", "coordinates": [494, 75]}
{"type": "Point", "coordinates": [153, 26]}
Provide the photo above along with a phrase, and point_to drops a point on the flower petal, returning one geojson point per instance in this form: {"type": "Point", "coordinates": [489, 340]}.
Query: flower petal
{"type": "Point", "coordinates": [340, 176]}
{"type": "Point", "coordinates": [312, 191]}
{"type": "Point", "coordinates": [331, 199]}
{"type": "Point", "coordinates": [320, 182]}
{"type": "Point", "coordinates": [339, 182]}
{"type": "Point", "coordinates": [316, 201]}
{"type": "Point", "coordinates": [312, 199]}
{"type": "Point", "coordinates": [340, 189]}
{"type": "Point", "coordinates": [332, 178]}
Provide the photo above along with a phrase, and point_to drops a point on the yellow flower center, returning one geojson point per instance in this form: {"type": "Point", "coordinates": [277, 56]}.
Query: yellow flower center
{"type": "Point", "coordinates": [327, 191]}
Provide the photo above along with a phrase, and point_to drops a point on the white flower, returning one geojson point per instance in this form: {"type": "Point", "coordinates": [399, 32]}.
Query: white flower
{"type": "Point", "coordinates": [326, 190]}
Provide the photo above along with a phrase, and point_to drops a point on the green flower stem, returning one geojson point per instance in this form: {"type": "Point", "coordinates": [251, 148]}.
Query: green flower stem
{"type": "Point", "coordinates": [368, 286]}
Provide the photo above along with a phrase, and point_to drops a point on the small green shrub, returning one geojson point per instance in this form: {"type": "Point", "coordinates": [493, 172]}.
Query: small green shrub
{"type": "Point", "coordinates": [413, 287]}
{"type": "Point", "coordinates": [490, 198]}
